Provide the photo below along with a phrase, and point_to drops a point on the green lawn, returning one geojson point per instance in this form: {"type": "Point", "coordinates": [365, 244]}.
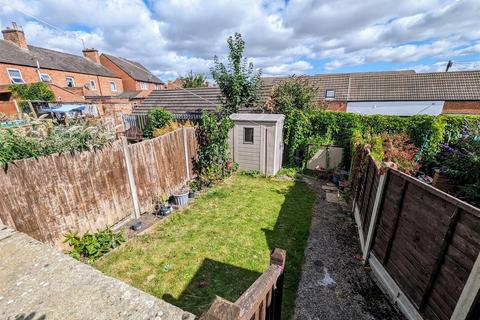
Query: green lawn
{"type": "Point", "coordinates": [220, 244]}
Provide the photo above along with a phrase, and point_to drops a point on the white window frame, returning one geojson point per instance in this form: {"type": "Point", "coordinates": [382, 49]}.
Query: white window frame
{"type": "Point", "coordinates": [244, 135]}
{"type": "Point", "coordinates": [73, 82]}
{"type": "Point", "coordinates": [11, 78]}
{"type": "Point", "coordinates": [329, 97]}
{"type": "Point", "coordinates": [113, 86]}
{"type": "Point", "coordinates": [158, 87]}
{"type": "Point", "coordinates": [45, 75]}
{"type": "Point", "coordinates": [143, 86]}
{"type": "Point", "coordinates": [93, 85]}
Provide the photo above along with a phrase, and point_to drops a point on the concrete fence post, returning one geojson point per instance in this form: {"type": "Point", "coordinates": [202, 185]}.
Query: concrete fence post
{"type": "Point", "coordinates": [469, 293]}
{"type": "Point", "coordinates": [185, 148]}
{"type": "Point", "coordinates": [375, 214]}
{"type": "Point", "coordinates": [131, 179]}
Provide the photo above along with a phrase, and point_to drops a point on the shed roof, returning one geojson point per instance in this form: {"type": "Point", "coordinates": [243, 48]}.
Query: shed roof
{"type": "Point", "coordinates": [134, 69]}
{"type": "Point", "coordinates": [257, 117]}
{"type": "Point", "coordinates": [50, 59]}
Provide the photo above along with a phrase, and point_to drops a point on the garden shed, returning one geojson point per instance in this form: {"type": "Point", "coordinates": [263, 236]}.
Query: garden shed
{"type": "Point", "coordinates": [256, 141]}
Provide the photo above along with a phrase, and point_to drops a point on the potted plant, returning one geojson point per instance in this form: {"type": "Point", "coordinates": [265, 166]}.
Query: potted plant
{"type": "Point", "coordinates": [194, 187]}
{"type": "Point", "coordinates": [165, 208]}
{"type": "Point", "coordinates": [180, 198]}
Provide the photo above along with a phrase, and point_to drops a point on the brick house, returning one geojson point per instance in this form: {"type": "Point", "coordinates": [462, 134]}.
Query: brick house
{"type": "Point", "coordinates": [135, 77]}
{"type": "Point", "coordinates": [71, 77]}
{"type": "Point", "coordinates": [392, 92]}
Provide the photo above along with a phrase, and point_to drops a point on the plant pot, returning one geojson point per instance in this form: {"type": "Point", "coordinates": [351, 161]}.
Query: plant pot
{"type": "Point", "coordinates": [192, 194]}
{"type": "Point", "coordinates": [229, 165]}
{"type": "Point", "coordinates": [165, 209]}
{"type": "Point", "coordinates": [180, 199]}
{"type": "Point", "coordinates": [442, 182]}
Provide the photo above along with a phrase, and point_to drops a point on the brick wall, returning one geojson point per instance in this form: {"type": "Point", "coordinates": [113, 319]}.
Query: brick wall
{"type": "Point", "coordinates": [129, 84]}
{"type": "Point", "coordinates": [8, 107]}
{"type": "Point", "coordinates": [461, 107]}
{"type": "Point", "coordinates": [30, 75]}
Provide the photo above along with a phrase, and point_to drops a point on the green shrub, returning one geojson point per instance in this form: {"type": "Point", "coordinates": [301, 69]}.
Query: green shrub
{"type": "Point", "coordinates": [89, 247]}
{"type": "Point", "coordinates": [213, 155]}
{"type": "Point", "coordinates": [157, 119]}
{"type": "Point", "coordinates": [35, 92]}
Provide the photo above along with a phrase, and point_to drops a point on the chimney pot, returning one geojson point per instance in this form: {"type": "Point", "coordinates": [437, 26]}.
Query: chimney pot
{"type": "Point", "coordinates": [15, 35]}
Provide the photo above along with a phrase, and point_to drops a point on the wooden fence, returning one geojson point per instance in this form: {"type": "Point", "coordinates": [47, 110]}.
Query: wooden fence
{"type": "Point", "coordinates": [86, 191]}
{"type": "Point", "coordinates": [262, 301]}
{"type": "Point", "coordinates": [422, 244]}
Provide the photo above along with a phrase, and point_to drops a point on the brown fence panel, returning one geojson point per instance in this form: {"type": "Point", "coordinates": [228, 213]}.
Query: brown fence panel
{"type": "Point", "coordinates": [428, 242]}
{"type": "Point", "coordinates": [159, 166]}
{"type": "Point", "coordinates": [52, 195]}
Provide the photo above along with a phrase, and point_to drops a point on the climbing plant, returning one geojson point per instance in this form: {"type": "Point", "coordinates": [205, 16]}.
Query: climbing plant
{"type": "Point", "coordinates": [34, 92]}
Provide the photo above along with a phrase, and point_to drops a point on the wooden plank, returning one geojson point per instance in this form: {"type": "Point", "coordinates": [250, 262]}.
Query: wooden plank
{"type": "Point", "coordinates": [440, 258]}
{"type": "Point", "coordinates": [131, 179]}
{"type": "Point", "coordinates": [469, 293]}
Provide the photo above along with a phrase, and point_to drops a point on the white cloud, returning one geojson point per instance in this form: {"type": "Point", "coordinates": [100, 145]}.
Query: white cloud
{"type": "Point", "coordinates": [172, 37]}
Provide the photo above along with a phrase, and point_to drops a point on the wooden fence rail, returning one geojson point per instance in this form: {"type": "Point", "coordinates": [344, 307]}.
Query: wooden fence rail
{"type": "Point", "coordinates": [86, 191]}
{"type": "Point", "coordinates": [422, 243]}
{"type": "Point", "coordinates": [262, 301]}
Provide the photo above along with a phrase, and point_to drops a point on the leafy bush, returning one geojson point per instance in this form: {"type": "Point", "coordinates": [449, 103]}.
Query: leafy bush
{"type": "Point", "coordinates": [90, 247]}
{"type": "Point", "coordinates": [400, 151]}
{"type": "Point", "coordinates": [213, 155]}
{"type": "Point", "coordinates": [16, 145]}
{"type": "Point", "coordinates": [157, 119]}
{"type": "Point", "coordinates": [295, 93]}
{"type": "Point", "coordinates": [460, 160]}
{"type": "Point", "coordinates": [35, 92]}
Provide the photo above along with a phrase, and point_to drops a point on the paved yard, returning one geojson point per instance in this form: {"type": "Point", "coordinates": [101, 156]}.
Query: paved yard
{"type": "Point", "coordinates": [334, 284]}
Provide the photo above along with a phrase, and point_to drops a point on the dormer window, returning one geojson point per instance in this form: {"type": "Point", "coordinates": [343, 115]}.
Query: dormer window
{"type": "Point", "coordinates": [45, 78]}
{"type": "Point", "coordinates": [330, 94]}
{"type": "Point", "coordinates": [15, 76]}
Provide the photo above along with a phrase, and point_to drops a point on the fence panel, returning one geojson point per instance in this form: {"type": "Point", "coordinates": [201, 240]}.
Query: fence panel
{"type": "Point", "coordinates": [48, 196]}
{"type": "Point", "coordinates": [159, 166]}
{"type": "Point", "coordinates": [427, 241]}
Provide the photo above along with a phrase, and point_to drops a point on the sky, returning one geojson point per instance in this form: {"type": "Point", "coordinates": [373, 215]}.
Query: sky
{"type": "Point", "coordinates": [283, 37]}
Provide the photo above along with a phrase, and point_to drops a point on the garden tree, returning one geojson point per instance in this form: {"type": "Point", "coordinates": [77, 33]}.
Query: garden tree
{"type": "Point", "coordinates": [193, 80]}
{"type": "Point", "coordinates": [158, 118]}
{"type": "Point", "coordinates": [239, 82]}
{"type": "Point", "coordinates": [294, 93]}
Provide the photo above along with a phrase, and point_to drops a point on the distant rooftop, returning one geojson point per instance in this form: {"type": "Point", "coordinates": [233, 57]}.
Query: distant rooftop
{"type": "Point", "coordinates": [134, 69]}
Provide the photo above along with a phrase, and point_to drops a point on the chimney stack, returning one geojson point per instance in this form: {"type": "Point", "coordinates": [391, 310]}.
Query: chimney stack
{"type": "Point", "coordinates": [91, 54]}
{"type": "Point", "coordinates": [15, 34]}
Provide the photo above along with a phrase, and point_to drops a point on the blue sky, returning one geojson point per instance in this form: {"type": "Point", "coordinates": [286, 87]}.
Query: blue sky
{"type": "Point", "coordinates": [171, 37]}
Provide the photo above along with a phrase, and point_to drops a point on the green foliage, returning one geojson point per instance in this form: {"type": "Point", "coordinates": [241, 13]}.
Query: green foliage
{"type": "Point", "coordinates": [34, 92]}
{"type": "Point", "coordinates": [193, 80]}
{"type": "Point", "coordinates": [426, 132]}
{"type": "Point", "coordinates": [157, 119]}
{"type": "Point", "coordinates": [16, 145]}
{"type": "Point", "coordinates": [90, 246]}
{"type": "Point", "coordinates": [238, 81]}
{"type": "Point", "coordinates": [460, 160]}
{"type": "Point", "coordinates": [212, 137]}
{"type": "Point", "coordinates": [294, 93]}
{"type": "Point", "coordinates": [289, 171]}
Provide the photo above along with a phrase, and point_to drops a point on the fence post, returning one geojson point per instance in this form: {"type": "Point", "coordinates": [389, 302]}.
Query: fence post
{"type": "Point", "coordinates": [469, 293]}
{"type": "Point", "coordinates": [278, 258]}
{"type": "Point", "coordinates": [185, 148]}
{"type": "Point", "coordinates": [375, 213]}
{"type": "Point", "coordinates": [131, 178]}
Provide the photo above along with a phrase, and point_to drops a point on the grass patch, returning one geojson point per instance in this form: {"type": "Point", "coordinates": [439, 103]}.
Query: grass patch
{"type": "Point", "coordinates": [220, 244]}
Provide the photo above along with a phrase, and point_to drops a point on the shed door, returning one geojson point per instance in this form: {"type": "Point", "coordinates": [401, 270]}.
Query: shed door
{"type": "Point", "coordinates": [249, 147]}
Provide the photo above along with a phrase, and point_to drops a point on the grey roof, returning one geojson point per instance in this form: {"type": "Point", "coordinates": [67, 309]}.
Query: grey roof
{"type": "Point", "coordinates": [134, 69]}
{"type": "Point", "coordinates": [50, 59]}
{"type": "Point", "coordinates": [257, 117]}
{"type": "Point", "coordinates": [365, 86]}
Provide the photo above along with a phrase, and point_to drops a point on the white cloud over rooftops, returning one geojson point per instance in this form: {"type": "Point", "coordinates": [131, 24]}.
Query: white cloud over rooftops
{"type": "Point", "coordinates": [172, 37]}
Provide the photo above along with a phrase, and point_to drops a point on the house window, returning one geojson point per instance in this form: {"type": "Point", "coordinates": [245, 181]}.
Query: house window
{"type": "Point", "coordinates": [15, 76]}
{"type": "Point", "coordinates": [143, 85]}
{"type": "Point", "coordinates": [93, 85]}
{"type": "Point", "coordinates": [248, 135]}
{"type": "Point", "coordinates": [113, 86]}
{"type": "Point", "coordinates": [330, 94]}
{"type": "Point", "coordinates": [158, 87]}
{"type": "Point", "coordinates": [70, 82]}
{"type": "Point", "coordinates": [45, 77]}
